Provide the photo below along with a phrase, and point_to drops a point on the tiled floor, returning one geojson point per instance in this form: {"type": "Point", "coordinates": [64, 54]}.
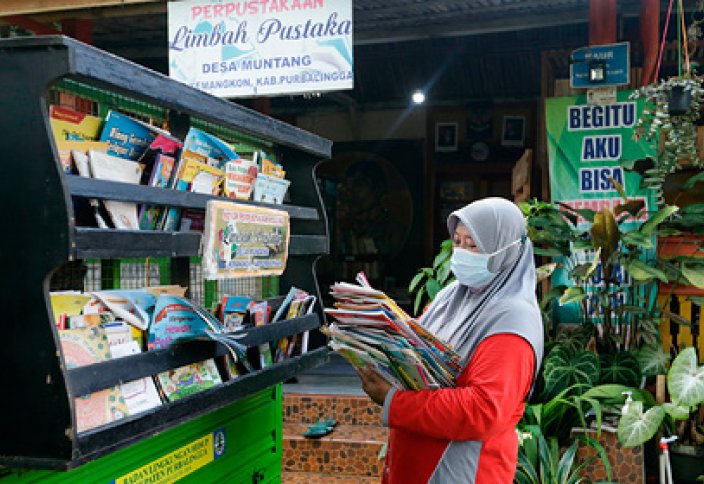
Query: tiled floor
{"type": "Point", "coordinates": [317, 478]}
{"type": "Point", "coordinates": [348, 455]}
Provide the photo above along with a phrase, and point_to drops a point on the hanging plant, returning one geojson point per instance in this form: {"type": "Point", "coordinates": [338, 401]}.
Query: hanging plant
{"type": "Point", "coordinates": [672, 108]}
{"type": "Point", "coordinates": [675, 130]}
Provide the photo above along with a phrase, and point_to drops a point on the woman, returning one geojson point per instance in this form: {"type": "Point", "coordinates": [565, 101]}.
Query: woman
{"type": "Point", "coordinates": [491, 317]}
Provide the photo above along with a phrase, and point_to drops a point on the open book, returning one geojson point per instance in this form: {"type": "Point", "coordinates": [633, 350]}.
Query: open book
{"type": "Point", "coordinates": [371, 329]}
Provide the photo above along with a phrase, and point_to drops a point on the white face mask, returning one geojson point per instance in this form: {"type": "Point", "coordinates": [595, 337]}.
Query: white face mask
{"type": "Point", "coordinates": [472, 268]}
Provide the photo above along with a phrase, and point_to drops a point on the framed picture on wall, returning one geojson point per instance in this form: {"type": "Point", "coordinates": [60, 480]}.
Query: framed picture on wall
{"type": "Point", "coordinates": [513, 131]}
{"type": "Point", "coordinates": [446, 137]}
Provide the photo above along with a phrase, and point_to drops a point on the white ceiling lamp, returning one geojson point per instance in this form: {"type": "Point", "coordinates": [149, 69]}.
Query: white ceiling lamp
{"type": "Point", "coordinates": [418, 97]}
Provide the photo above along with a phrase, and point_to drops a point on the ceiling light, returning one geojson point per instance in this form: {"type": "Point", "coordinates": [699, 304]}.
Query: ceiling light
{"type": "Point", "coordinates": [418, 97]}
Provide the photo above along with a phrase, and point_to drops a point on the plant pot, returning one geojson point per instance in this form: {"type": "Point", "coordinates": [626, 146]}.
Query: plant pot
{"type": "Point", "coordinates": [680, 101]}
{"type": "Point", "coordinates": [687, 462]}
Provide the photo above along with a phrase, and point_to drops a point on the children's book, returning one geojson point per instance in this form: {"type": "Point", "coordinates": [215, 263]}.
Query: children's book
{"type": "Point", "coordinates": [67, 304]}
{"type": "Point", "coordinates": [215, 151]}
{"type": "Point", "coordinates": [161, 174]}
{"type": "Point", "coordinates": [239, 178]}
{"type": "Point", "coordinates": [162, 145]}
{"type": "Point", "coordinates": [127, 137]}
{"type": "Point", "coordinates": [139, 395]}
{"type": "Point", "coordinates": [67, 147]}
{"type": "Point", "coordinates": [82, 163]}
{"type": "Point", "coordinates": [85, 346]}
{"type": "Point", "coordinates": [176, 318]}
{"type": "Point", "coordinates": [232, 311]}
{"type": "Point", "coordinates": [68, 123]}
{"type": "Point", "coordinates": [133, 306]}
{"type": "Point", "coordinates": [107, 167]}
{"type": "Point", "coordinates": [270, 189]}
{"type": "Point", "coordinates": [193, 176]}
{"type": "Point", "coordinates": [186, 380]}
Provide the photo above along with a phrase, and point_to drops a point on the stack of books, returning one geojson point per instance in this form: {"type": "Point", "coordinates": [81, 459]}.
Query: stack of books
{"type": "Point", "coordinates": [369, 328]}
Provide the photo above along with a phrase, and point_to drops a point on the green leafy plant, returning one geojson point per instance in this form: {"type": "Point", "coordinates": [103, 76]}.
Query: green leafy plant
{"type": "Point", "coordinates": [620, 315]}
{"type": "Point", "coordinates": [430, 280]}
{"type": "Point", "coordinates": [676, 133]}
{"type": "Point", "coordinates": [685, 384]}
{"type": "Point", "coordinates": [542, 461]}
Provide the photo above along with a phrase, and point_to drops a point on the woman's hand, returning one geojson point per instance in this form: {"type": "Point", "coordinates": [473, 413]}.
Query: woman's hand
{"type": "Point", "coordinates": [374, 384]}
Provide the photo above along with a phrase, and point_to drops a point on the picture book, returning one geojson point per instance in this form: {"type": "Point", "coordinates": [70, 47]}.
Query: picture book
{"type": "Point", "coordinates": [67, 303]}
{"type": "Point", "coordinates": [160, 176]}
{"type": "Point", "coordinates": [186, 380]}
{"type": "Point", "coordinates": [239, 178]}
{"type": "Point", "coordinates": [215, 150]}
{"type": "Point", "coordinates": [139, 395]}
{"type": "Point", "coordinates": [127, 137]}
{"type": "Point", "coordinates": [85, 346]}
{"type": "Point", "coordinates": [133, 306]}
{"type": "Point", "coordinates": [67, 123]}
{"type": "Point", "coordinates": [270, 189]}
{"type": "Point", "coordinates": [83, 320]}
{"type": "Point", "coordinates": [163, 144]}
{"type": "Point", "coordinates": [260, 315]}
{"type": "Point", "coordinates": [66, 147]}
{"type": "Point", "coordinates": [233, 310]}
{"type": "Point", "coordinates": [176, 318]}
{"type": "Point", "coordinates": [106, 167]}
{"type": "Point", "coordinates": [193, 176]}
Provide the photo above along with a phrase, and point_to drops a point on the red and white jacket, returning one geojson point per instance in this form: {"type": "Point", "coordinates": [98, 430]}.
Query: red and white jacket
{"type": "Point", "coordinates": [464, 434]}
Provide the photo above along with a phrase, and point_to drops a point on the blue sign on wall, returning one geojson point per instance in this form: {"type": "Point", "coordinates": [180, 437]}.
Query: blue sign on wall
{"type": "Point", "coordinates": [613, 59]}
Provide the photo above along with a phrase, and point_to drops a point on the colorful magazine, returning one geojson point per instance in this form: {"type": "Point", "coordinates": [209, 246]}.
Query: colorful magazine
{"type": "Point", "coordinates": [127, 137]}
{"type": "Point", "coordinates": [85, 346]}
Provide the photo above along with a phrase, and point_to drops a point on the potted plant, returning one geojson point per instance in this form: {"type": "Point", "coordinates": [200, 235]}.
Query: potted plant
{"type": "Point", "coordinates": [682, 416]}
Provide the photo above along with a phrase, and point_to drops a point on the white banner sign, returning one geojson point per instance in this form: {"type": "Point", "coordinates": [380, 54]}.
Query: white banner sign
{"type": "Point", "coordinates": [261, 47]}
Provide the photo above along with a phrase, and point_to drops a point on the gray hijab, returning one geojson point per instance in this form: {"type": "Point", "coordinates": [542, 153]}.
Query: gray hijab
{"type": "Point", "coordinates": [464, 317]}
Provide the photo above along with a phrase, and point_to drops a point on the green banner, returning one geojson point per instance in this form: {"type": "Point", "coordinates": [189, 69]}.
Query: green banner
{"type": "Point", "coordinates": [585, 144]}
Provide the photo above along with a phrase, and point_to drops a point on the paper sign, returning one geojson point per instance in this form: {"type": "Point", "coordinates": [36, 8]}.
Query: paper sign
{"type": "Point", "coordinates": [244, 241]}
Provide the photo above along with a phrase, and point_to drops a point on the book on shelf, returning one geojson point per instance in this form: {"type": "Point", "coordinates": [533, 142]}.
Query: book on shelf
{"type": "Point", "coordinates": [186, 380]}
{"type": "Point", "coordinates": [128, 137]}
{"type": "Point", "coordinates": [162, 170]}
{"type": "Point", "coordinates": [193, 176]}
{"type": "Point", "coordinates": [139, 395]}
{"type": "Point", "coordinates": [107, 167]}
{"type": "Point", "coordinates": [85, 346]}
{"type": "Point", "coordinates": [214, 151]}
{"type": "Point", "coordinates": [67, 123]}
{"type": "Point", "coordinates": [369, 328]}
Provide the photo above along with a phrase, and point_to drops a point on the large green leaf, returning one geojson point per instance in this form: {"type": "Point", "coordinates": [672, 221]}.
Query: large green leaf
{"type": "Point", "coordinates": [685, 380]}
{"type": "Point", "coordinates": [638, 239]}
{"type": "Point", "coordinates": [640, 271]}
{"type": "Point", "coordinates": [572, 294]}
{"type": "Point", "coordinates": [545, 271]}
{"type": "Point", "coordinates": [636, 427]}
{"type": "Point", "coordinates": [620, 368]}
{"type": "Point", "coordinates": [652, 359]}
{"type": "Point", "coordinates": [433, 287]}
{"type": "Point", "coordinates": [651, 224]}
{"type": "Point", "coordinates": [414, 282]}
{"type": "Point", "coordinates": [677, 412]}
{"type": "Point", "coordinates": [694, 274]}
{"type": "Point", "coordinates": [562, 371]}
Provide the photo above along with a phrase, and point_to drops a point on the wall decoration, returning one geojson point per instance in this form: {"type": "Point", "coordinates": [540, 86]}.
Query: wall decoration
{"type": "Point", "coordinates": [445, 137]}
{"type": "Point", "coordinates": [513, 131]}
